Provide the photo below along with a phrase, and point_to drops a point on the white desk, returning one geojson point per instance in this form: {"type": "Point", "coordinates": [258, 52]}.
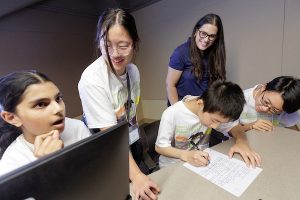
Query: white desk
{"type": "Point", "coordinates": [280, 178]}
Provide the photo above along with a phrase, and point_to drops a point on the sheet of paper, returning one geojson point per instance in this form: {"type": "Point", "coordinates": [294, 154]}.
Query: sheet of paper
{"type": "Point", "coordinates": [230, 174]}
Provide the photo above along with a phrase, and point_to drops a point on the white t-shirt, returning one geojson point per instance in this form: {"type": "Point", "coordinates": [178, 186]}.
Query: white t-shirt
{"type": "Point", "coordinates": [103, 96]}
{"type": "Point", "coordinates": [20, 152]}
{"type": "Point", "coordinates": [177, 125]}
{"type": "Point", "coordinates": [250, 115]}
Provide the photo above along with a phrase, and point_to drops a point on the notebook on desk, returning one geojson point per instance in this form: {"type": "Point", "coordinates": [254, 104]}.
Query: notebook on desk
{"type": "Point", "coordinates": [94, 168]}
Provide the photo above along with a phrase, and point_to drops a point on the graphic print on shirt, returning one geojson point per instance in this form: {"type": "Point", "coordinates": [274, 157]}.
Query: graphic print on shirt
{"type": "Point", "coordinates": [121, 98]}
{"type": "Point", "coordinates": [184, 132]}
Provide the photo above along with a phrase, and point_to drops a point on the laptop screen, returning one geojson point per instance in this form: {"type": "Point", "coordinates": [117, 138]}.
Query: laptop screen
{"type": "Point", "coordinates": [94, 168]}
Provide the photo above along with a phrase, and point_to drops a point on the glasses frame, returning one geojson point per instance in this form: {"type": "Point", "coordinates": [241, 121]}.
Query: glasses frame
{"type": "Point", "coordinates": [266, 104]}
{"type": "Point", "coordinates": [211, 37]}
{"type": "Point", "coordinates": [119, 49]}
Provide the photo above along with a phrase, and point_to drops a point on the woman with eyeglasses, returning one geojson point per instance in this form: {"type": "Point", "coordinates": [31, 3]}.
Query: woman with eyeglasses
{"type": "Point", "coordinates": [195, 64]}
{"type": "Point", "coordinates": [272, 104]}
{"type": "Point", "coordinates": [109, 89]}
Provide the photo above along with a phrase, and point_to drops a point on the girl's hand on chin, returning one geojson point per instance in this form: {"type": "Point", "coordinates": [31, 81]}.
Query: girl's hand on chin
{"type": "Point", "coordinates": [47, 143]}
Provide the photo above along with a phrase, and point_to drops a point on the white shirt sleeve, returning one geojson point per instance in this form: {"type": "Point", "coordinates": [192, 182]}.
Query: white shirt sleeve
{"type": "Point", "coordinates": [16, 155]}
{"type": "Point", "coordinates": [83, 130]}
{"type": "Point", "coordinates": [74, 131]}
{"type": "Point", "coordinates": [226, 127]}
{"type": "Point", "coordinates": [97, 108]}
{"type": "Point", "coordinates": [166, 129]}
{"type": "Point", "coordinates": [289, 120]}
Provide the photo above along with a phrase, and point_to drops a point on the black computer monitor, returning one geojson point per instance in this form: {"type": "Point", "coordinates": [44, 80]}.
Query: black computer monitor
{"type": "Point", "coordinates": [94, 168]}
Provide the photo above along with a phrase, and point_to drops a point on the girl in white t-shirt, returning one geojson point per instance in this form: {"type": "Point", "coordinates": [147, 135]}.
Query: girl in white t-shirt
{"type": "Point", "coordinates": [109, 88]}
{"type": "Point", "coordinates": [32, 122]}
{"type": "Point", "coordinates": [273, 104]}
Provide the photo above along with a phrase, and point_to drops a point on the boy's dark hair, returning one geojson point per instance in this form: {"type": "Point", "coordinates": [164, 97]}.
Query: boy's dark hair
{"type": "Point", "coordinates": [12, 87]}
{"type": "Point", "coordinates": [289, 87]}
{"type": "Point", "coordinates": [225, 98]}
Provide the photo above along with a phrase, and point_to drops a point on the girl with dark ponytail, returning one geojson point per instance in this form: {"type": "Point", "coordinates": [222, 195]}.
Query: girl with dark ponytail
{"type": "Point", "coordinates": [109, 89]}
{"type": "Point", "coordinates": [32, 120]}
{"type": "Point", "coordinates": [12, 87]}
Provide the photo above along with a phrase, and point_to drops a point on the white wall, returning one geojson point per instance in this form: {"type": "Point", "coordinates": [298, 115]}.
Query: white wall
{"type": "Point", "coordinates": [291, 52]}
{"type": "Point", "coordinates": [262, 39]}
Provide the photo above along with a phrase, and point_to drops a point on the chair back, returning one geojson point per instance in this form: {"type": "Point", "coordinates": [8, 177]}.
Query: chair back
{"type": "Point", "coordinates": [148, 135]}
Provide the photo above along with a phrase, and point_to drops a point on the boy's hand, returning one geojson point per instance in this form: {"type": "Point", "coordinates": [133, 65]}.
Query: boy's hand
{"type": "Point", "coordinates": [144, 188]}
{"type": "Point", "coordinates": [196, 158]}
{"type": "Point", "coordinates": [47, 143]}
{"type": "Point", "coordinates": [250, 157]}
{"type": "Point", "coordinates": [263, 125]}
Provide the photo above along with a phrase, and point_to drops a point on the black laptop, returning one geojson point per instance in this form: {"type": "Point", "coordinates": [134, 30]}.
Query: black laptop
{"type": "Point", "coordinates": [94, 168]}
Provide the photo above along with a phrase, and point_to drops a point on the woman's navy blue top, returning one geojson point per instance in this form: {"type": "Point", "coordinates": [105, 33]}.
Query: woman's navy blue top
{"type": "Point", "coordinates": [187, 83]}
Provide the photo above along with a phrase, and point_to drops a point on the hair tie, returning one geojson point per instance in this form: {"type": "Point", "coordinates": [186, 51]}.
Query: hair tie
{"type": "Point", "coordinates": [1, 108]}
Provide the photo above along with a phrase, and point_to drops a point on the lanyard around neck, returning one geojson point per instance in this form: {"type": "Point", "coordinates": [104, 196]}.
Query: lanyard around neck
{"type": "Point", "coordinates": [128, 104]}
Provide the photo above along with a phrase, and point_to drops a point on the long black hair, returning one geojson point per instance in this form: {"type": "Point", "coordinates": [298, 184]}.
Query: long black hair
{"type": "Point", "coordinates": [12, 88]}
{"type": "Point", "coordinates": [216, 53]}
{"type": "Point", "coordinates": [289, 88]}
{"type": "Point", "coordinates": [109, 18]}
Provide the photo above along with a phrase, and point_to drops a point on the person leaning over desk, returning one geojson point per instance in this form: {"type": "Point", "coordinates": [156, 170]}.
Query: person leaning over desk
{"type": "Point", "coordinates": [109, 88]}
{"type": "Point", "coordinates": [272, 104]}
{"type": "Point", "coordinates": [189, 118]}
{"type": "Point", "coordinates": [195, 64]}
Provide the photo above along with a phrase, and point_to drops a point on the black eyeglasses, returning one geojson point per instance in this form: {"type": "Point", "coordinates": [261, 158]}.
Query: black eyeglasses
{"type": "Point", "coordinates": [268, 105]}
{"type": "Point", "coordinates": [203, 35]}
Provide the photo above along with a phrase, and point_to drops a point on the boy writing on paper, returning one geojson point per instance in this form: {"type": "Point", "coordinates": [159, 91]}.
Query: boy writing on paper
{"type": "Point", "coordinates": [221, 103]}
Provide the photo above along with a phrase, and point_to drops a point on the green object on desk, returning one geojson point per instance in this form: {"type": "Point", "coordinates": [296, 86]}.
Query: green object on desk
{"type": "Point", "coordinates": [208, 131]}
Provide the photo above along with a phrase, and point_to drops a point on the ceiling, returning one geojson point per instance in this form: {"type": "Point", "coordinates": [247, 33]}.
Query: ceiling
{"type": "Point", "coordinates": [86, 8]}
